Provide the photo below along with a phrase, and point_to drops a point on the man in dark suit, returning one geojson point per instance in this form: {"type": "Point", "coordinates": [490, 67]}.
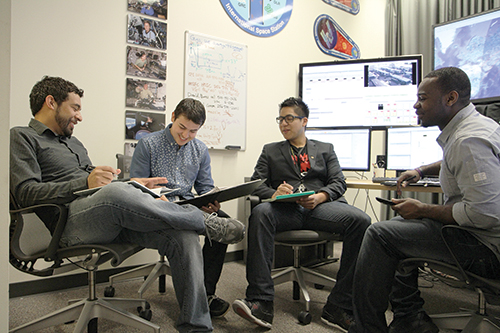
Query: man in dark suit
{"type": "Point", "coordinates": [294, 165]}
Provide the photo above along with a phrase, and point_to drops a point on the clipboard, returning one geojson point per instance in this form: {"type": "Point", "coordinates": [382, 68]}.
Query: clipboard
{"type": "Point", "coordinates": [289, 197]}
{"type": "Point", "coordinates": [221, 195]}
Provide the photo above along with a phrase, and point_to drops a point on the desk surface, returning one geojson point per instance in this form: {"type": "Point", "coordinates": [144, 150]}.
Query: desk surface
{"type": "Point", "coordinates": [369, 185]}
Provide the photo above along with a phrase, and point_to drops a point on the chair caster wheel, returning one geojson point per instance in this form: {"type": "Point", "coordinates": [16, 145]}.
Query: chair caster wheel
{"type": "Point", "coordinates": [147, 306]}
{"type": "Point", "coordinates": [319, 286]}
{"type": "Point", "coordinates": [305, 318]}
{"type": "Point", "coordinates": [109, 291]}
{"type": "Point", "coordinates": [146, 314]}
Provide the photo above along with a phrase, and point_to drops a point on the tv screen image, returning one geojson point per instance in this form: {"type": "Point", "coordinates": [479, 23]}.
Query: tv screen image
{"type": "Point", "coordinates": [377, 92]}
{"type": "Point", "coordinates": [410, 147]}
{"type": "Point", "coordinates": [351, 145]}
{"type": "Point", "coordinates": [472, 44]}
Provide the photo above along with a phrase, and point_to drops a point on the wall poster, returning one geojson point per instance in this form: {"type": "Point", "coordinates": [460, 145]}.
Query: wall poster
{"type": "Point", "coordinates": [261, 18]}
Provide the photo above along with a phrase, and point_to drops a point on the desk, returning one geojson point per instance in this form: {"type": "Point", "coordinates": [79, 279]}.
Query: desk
{"type": "Point", "coordinates": [369, 185]}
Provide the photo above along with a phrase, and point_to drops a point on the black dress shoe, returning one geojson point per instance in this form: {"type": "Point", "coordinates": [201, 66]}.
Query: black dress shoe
{"type": "Point", "coordinates": [419, 323]}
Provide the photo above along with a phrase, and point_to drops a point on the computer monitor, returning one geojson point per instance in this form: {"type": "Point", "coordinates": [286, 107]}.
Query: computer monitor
{"type": "Point", "coordinates": [363, 92]}
{"type": "Point", "coordinates": [472, 44]}
{"type": "Point", "coordinates": [410, 147]}
{"type": "Point", "coordinates": [351, 145]}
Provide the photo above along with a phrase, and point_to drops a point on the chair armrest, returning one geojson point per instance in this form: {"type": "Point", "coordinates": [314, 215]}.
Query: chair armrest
{"type": "Point", "coordinates": [50, 254]}
{"type": "Point", "coordinates": [254, 200]}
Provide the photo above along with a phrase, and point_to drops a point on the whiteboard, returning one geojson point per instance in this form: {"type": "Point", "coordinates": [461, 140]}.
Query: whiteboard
{"type": "Point", "coordinates": [215, 73]}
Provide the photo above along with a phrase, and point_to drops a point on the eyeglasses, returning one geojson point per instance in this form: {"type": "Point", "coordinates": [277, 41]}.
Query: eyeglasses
{"type": "Point", "coordinates": [288, 119]}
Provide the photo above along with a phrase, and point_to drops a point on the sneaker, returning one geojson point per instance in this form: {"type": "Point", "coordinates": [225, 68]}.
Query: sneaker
{"type": "Point", "coordinates": [419, 323]}
{"type": "Point", "coordinates": [334, 316]}
{"type": "Point", "coordinates": [223, 230]}
{"type": "Point", "coordinates": [217, 306]}
{"type": "Point", "coordinates": [257, 312]}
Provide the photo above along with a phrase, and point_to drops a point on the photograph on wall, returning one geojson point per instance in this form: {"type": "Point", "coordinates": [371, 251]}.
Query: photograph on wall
{"type": "Point", "coordinates": [152, 8]}
{"type": "Point", "coordinates": [146, 63]}
{"type": "Point", "coordinates": [147, 32]}
{"type": "Point", "coordinates": [139, 124]}
{"type": "Point", "coordinates": [350, 6]}
{"type": "Point", "coordinates": [333, 40]}
{"type": "Point", "coordinates": [147, 95]}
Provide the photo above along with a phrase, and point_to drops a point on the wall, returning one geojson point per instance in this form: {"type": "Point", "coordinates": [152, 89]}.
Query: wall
{"type": "Point", "coordinates": [85, 42]}
{"type": "Point", "coordinates": [4, 157]}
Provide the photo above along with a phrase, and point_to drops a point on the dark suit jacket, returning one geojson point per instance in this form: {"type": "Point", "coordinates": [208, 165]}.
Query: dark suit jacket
{"type": "Point", "coordinates": [276, 165]}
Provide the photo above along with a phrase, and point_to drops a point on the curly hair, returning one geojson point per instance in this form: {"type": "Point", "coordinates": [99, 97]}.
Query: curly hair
{"type": "Point", "coordinates": [57, 87]}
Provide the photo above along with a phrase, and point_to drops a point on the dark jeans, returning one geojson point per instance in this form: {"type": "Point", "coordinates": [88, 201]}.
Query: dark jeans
{"type": "Point", "coordinates": [269, 218]}
{"type": "Point", "coordinates": [376, 280]}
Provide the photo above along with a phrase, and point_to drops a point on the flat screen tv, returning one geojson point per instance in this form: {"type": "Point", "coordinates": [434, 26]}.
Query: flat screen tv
{"type": "Point", "coordinates": [351, 145]}
{"type": "Point", "coordinates": [363, 92]}
{"type": "Point", "coordinates": [472, 44]}
{"type": "Point", "coordinates": [410, 147]}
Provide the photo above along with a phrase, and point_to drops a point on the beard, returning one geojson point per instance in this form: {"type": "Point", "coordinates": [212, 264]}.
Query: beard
{"type": "Point", "coordinates": [64, 124]}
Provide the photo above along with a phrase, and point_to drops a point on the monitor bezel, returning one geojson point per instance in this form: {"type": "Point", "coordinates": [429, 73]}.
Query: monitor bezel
{"type": "Point", "coordinates": [417, 57]}
{"type": "Point", "coordinates": [478, 101]}
{"type": "Point", "coordinates": [386, 138]}
{"type": "Point", "coordinates": [364, 169]}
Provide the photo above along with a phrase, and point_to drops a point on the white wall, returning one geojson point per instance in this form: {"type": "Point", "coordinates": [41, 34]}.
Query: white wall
{"type": "Point", "coordinates": [4, 158]}
{"type": "Point", "coordinates": [85, 42]}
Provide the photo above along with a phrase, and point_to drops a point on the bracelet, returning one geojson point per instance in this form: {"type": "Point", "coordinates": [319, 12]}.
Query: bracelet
{"type": "Point", "coordinates": [420, 172]}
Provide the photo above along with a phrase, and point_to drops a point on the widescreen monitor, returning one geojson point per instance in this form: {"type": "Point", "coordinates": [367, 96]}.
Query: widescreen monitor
{"type": "Point", "coordinates": [351, 145]}
{"type": "Point", "coordinates": [364, 92]}
{"type": "Point", "coordinates": [472, 44]}
{"type": "Point", "coordinates": [410, 147]}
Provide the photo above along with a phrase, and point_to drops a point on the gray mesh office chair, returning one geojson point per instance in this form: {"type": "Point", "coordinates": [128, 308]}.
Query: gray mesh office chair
{"type": "Point", "coordinates": [32, 247]}
{"type": "Point", "coordinates": [488, 290]}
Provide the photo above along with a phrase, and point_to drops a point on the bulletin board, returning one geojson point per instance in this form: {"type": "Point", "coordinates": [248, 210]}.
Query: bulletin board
{"type": "Point", "coordinates": [215, 73]}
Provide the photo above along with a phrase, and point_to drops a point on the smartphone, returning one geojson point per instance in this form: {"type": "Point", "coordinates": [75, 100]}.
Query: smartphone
{"type": "Point", "coordinates": [385, 201]}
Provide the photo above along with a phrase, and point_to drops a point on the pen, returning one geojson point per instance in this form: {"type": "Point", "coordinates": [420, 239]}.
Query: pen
{"type": "Point", "coordinates": [161, 184]}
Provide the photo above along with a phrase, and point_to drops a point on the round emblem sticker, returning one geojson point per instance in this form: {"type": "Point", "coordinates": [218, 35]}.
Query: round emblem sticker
{"type": "Point", "coordinates": [261, 18]}
{"type": "Point", "coordinates": [333, 40]}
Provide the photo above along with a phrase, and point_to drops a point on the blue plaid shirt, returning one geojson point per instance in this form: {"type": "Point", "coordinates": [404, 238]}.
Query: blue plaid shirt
{"type": "Point", "coordinates": [185, 167]}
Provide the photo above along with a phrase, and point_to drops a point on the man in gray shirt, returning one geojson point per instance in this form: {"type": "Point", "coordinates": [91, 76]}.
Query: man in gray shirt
{"type": "Point", "coordinates": [469, 174]}
{"type": "Point", "coordinates": [48, 164]}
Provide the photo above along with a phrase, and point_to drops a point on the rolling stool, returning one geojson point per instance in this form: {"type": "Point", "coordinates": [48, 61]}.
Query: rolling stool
{"type": "Point", "coordinates": [300, 274]}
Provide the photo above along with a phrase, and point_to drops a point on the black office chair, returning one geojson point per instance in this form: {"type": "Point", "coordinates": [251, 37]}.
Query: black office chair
{"type": "Point", "coordinates": [297, 273]}
{"type": "Point", "coordinates": [31, 244]}
{"type": "Point", "coordinates": [488, 290]}
{"type": "Point", "coordinates": [152, 271]}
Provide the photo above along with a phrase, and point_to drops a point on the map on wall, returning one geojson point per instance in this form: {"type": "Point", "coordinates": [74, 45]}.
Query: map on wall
{"type": "Point", "coordinates": [351, 6]}
{"type": "Point", "coordinates": [333, 40]}
{"type": "Point", "coordinates": [261, 18]}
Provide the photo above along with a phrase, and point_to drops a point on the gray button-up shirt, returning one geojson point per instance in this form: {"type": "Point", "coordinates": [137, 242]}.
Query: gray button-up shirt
{"type": "Point", "coordinates": [45, 167]}
{"type": "Point", "coordinates": [470, 171]}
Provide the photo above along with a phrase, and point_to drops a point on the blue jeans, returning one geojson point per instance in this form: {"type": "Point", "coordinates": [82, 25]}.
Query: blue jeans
{"type": "Point", "coordinates": [377, 281]}
{"type": "Point", "coordinates": [269, 218]}
{"type": "Point", "coordinates": [120, 212]}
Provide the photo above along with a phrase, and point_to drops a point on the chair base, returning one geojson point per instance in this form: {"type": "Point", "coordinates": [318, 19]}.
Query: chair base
{"type": "Point", "coordinates": [152, 271]}
{"type": "Point", "coordinates": [85, 310]}
{"type": "Point", "coordinates": [467, 321]}
{"type": "Point", "coordinates": [301, 275]}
